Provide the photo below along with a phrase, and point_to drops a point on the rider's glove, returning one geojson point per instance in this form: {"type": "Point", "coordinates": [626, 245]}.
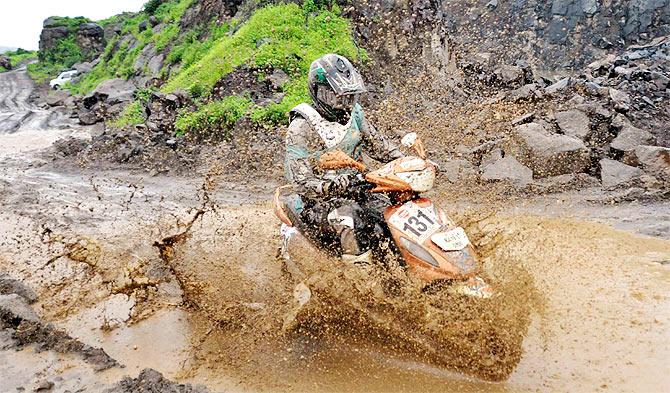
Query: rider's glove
{"type": "Point", "coordinates": [338, 185]}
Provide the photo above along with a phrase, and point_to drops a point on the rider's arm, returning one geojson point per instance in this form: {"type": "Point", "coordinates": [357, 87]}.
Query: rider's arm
{"type": "Point", "coordinates": [300, 163]}
{"type": "Point", "coordinates": [376, 145]}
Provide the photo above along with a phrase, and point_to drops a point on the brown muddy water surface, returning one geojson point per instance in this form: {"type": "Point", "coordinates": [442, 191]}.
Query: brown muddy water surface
{"type": "Point", "coordinates": [181, 275]}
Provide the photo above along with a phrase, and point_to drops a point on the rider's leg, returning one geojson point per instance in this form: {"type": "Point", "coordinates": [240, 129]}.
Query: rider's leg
{"type": "Point", "coordinates": [345, 220]}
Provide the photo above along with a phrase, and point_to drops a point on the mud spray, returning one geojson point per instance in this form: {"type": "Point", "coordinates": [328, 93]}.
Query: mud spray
{"type": "Point", "coordinates": [572, 296]}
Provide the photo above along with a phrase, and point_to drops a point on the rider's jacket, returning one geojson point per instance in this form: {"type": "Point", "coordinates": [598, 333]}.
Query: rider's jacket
{"type": "Point", "coordinates": [309, 135]}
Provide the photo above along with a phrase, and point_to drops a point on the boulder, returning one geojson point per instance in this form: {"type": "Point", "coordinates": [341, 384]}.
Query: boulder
{"type": "Point", "coordinates": [655, 160]}
{"type": "Point", "coordinates": [620, 99]}
{"type": "Point", "coordinates": [549, 154]}
{"type": "Point", "coordinates": [558, 86]}
{"type": "Point", "coordinates": [509, 75]}
{"type": "Point", "coordinates": [525, 93]}
{"type": "Point", "coordinates": [57, 98]}
{"type": "Point", "coordinates": [5, 63]}
{"type": "Point", "coordinates": [574, 123]}
{"type": "Point", "coordinates": [91, 40]}
{"type": "Point", "coordinates": [615, 174]}
{"type": "Point", "coordinates": [630, 137]}
{"type": "Point", "coordinates": [457, 170]}
{"type": "Point", "coordinates": [508, 169]}
{"type": "Point", "coordinates": [111, 92]}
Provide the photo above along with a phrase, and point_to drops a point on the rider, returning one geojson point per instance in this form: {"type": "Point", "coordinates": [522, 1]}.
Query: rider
{"type": "Point", "coordinates": [335, 121]}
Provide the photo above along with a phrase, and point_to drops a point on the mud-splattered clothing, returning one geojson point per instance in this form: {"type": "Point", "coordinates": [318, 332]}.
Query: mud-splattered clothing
{"type": "Point", "coordinates": [326, 206]}
{"type": "Point", "coordinates": [305, 144]}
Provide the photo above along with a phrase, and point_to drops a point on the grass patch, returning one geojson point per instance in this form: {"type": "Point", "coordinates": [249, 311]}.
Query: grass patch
{"type": "Point", "coordinates": [283, 36]}
{"type": "Point", "coordinates": [132, 114]}
{"type": "Point", "coordinates": [214, 116]}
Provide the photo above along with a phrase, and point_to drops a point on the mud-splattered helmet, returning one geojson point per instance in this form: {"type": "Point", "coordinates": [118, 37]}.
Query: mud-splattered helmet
{"type": "Point", "coordinates": [334, 85]}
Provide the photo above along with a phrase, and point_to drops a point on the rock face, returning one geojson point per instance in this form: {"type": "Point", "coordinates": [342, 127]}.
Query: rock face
{"type": "Point", "coordinates": [549, 154]}
{"type": "Point", "coordinates": [509, 169]}
{"type": "Point", "coordinates": [90, 37]}
{"type": "Point", "coordinates": [5, 62]}
{"type": "Point", "coordinates": [616, 175]}
{"type": "Point", "coordinates": [91, 40]}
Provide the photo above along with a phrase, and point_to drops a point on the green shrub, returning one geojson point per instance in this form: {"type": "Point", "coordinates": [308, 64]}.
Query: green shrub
{"type": "Point", "coordinates": [283, 36]}
{"type": "Point", "coordinates": [151, 6]}
{"type": "Point", "coordinates": [71, 23]}
{"type": "Point", "coordinates": [214, 116]}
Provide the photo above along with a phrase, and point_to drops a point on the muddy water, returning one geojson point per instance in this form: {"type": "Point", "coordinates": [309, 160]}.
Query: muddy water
{"type": "Point", "coordinates": [603, 325]}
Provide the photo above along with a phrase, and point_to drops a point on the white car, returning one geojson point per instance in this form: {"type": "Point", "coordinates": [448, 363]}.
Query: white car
{"type": "Point", "coordinates": [63, 78]}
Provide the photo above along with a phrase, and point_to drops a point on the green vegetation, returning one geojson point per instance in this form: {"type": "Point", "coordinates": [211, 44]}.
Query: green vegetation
{"type": "Point", "coordinates": [61, 57]}
{"type": "Point", "coordinates": [216, 115]}
{"type": "Point", "coordinates": [19, 57]}
{"type": "Point", "coordinates": [55, 60]}
{"type": "Point", "coordinates": [281, 36]}
{"type": "Point", "coordinates": [118, 60]}
{"type": "Point", "coordinates": [71, 23]}
{"type": "Point", "coordinates": [132, 114]}
{"type": "Point", "coordinates": [191, 49]}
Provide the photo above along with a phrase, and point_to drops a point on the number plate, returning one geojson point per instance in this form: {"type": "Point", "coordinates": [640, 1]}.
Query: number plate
{"type": "Point", "coordinates": [417, 222]}
{"type": "Point", "coordinates": [454, 240]}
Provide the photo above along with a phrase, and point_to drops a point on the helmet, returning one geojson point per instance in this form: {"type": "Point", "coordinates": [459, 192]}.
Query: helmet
{"type": "Point", "coordinates": [334, 85]}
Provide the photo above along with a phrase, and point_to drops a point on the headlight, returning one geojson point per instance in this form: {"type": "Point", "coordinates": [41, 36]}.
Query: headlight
{"type": "Point", "coordinates": [420, 181]}
{"type": "Point", "coordinates": [418, 251]}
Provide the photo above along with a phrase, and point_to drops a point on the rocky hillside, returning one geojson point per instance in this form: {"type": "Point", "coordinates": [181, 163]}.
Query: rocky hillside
{"type": "Point", "coordinates": [538, 94]}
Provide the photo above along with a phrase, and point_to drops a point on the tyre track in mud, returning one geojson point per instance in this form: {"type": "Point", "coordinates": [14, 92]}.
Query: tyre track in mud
{"type": "Point", "coordinates": [18, 112]}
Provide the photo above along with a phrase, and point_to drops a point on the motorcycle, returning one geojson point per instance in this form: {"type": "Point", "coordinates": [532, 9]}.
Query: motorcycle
{"type": "Point", "coordinates": [452, 316]}
{"type": "Point", "coordinates": [428, 243]}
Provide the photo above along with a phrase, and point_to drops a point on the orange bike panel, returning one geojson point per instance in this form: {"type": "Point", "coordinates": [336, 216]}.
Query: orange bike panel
{"type": "Point", "coordinates": [451, 265]}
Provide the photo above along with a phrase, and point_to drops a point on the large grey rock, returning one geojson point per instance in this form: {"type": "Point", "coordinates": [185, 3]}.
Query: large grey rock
{"type": "Point", "coordinates": [5, 63]}
{"type": "Point", "coordinates": [655, 160]}
{"type": "Point", "coordinates": [111, 92]}
{"type": "Point", "coordinates": [615, 174]}
{"type": "Point", "coordinates": [155, 65]}
{"type": "Point", "coordinates": [508, 169]}
{"type": "Point", "coordinates": [574, 123]}
{"type": "Point", "coordinates": [509, 75]}
{"type": "Point", "coordinates": [457, 170]}
{"type": "Point", "coordinates": [57, 98]}
{"type": "Point", "coordinates": [558, 86]}
{"type": "Point", "coordinates": [630, 137]}
{"type": "Point", "coordinates": [549, 154]}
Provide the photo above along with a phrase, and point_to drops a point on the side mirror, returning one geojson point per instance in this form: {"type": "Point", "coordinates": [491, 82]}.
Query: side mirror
{"type": "Point", "coordinates": [337, 159]}
{"type": "Point", "coordinates": [413, 141]}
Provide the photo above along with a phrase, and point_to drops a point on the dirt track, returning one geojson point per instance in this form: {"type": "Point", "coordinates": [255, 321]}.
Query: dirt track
{"type": "Point", "coordinates": [85, 241]}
